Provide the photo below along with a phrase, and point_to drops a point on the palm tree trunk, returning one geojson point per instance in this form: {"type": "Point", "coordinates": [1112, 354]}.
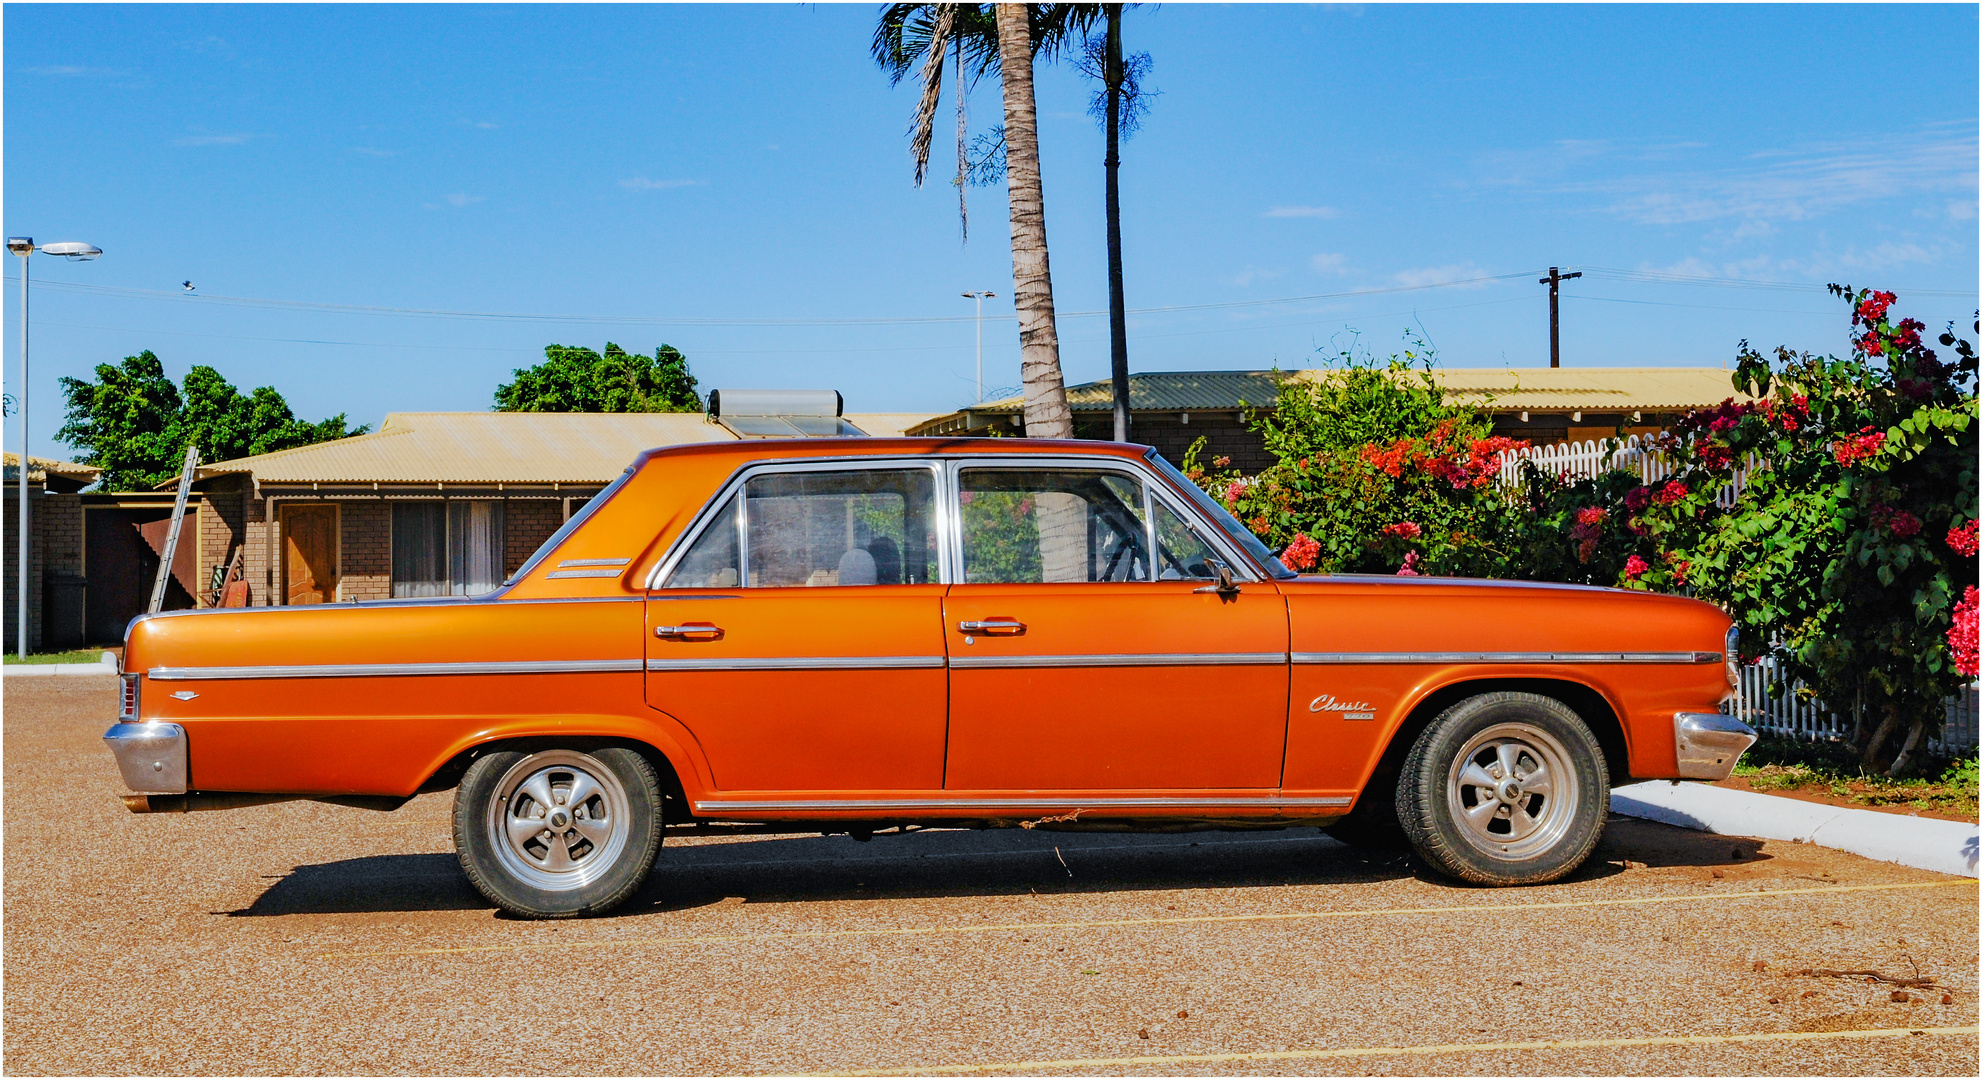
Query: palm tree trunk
{"type": "Point", "coordinates": [1118, 318]}
{"type": "Point", "coordinates": [1046, 414]}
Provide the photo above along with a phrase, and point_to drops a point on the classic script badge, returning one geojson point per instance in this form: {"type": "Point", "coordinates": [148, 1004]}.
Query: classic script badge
{"type": "Point", "coordinates": [1350, 710]}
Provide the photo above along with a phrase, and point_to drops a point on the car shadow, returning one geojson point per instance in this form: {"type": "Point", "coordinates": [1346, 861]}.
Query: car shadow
{"type": "Point", "coordinates": [697, 872]}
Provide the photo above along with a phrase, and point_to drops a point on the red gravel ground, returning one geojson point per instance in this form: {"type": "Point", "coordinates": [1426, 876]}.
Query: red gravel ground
{"type": "Point", "coordinates": [305, 938]}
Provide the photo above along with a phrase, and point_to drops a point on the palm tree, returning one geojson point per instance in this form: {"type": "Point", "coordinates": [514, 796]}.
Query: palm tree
{"type": "Point", "coordinates": [921, 36]}
{"type": "Point", "coordinates": [1119, 104]}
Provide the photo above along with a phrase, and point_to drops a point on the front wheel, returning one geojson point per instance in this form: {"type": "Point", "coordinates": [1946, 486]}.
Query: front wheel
{"type": "Point", "coordinates": [1505, 789]}
{"type": "Point", "coordinates": [558, 833]}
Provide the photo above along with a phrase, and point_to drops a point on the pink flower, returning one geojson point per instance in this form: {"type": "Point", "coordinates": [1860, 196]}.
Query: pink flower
{"type": "Point", "coordinates": [1897, 522]}
{"type": "Point", "coordinates": [1962, 540]}
{"type": "Point", "coordinates": [1635, 567]}
{"type": "Point", "coordinates": [1410, 561]}
{"type": "Point", "coordinates": [1962, 636]}
{"type": "Point", "coordinates": [1408, 530]}
{"type": "Point", "coordinates": [1301, 553]}
{"type": "Point", "coordinates": [1636, 499]}
{"type": "Point", "coordinates": [1234, 491]}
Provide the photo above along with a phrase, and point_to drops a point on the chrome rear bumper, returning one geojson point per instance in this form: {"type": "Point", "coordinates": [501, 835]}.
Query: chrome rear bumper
{"type": "Point", "coordinates": [152, 757]}
{"type": "Point", "coordinates": [1709, 744]}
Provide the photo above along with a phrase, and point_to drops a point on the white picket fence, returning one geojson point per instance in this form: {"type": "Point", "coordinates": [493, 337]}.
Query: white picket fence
{"type": "Point", "coordinates": [1586, 460]}
{"type": "Point", "coordinates": [1794, 715]}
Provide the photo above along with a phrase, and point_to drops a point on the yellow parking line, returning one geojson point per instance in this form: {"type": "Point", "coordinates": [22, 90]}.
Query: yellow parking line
{"type": "Point", "coordinates": [973, 928]}
{"type": "Point", "coordinates": [1410, 1051]}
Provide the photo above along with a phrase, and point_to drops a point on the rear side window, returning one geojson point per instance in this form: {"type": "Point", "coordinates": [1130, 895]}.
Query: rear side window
{"type": "Point", "coordinates": [815, 529]}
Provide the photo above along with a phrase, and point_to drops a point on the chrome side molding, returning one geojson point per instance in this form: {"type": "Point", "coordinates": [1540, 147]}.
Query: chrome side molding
{"type": "Point", "coordinates": [151, 757]}
{"type": "Point", "coordinates": [1708, 744]}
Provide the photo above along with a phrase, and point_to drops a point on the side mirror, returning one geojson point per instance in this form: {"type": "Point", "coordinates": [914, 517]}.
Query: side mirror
{"type": "Point", "coordinates": [1227, 584]}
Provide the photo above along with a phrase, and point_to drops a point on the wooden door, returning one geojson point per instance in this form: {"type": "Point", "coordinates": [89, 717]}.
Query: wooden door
{"type": "Point", "coordinates": [309, 553]}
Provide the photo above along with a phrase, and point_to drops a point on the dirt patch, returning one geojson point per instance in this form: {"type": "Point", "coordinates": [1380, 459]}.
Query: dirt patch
{"type": "Point", "coordinates": [1817, 792]}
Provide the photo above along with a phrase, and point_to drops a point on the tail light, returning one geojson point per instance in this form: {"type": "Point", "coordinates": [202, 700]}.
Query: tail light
{"type": "Point", "coordinates": [128, 713]}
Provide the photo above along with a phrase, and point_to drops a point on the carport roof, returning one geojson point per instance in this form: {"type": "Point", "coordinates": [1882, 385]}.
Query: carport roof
{"type": "Point", "coordinates": [500, 448]}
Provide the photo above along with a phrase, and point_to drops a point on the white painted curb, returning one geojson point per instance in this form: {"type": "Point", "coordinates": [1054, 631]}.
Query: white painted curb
{"type": "Point", "coordinates": [1947, 847]}
{"type": "Point", "coordinates": [105, 666]}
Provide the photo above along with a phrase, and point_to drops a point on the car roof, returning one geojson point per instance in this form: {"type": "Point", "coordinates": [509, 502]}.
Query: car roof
{"type": "Point", "coordinates": [840, 448]}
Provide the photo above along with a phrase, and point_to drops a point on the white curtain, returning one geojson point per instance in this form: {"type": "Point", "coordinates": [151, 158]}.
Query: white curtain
{"type": "Point", "coordinates": [474, 529]}
{"type": "Point", "coordinates": [419, 549]}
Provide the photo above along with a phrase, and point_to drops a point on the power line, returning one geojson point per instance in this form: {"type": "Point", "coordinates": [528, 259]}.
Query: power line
{"type": "Point", "coordinates": [1659, 277]}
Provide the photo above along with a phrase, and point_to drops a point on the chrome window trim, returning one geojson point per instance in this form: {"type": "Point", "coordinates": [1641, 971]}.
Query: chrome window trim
{"type": "Point", "coordinates": [593, 562]}
{"type": "Point", "coordinates": [606, 573]}
{"type": "Point", "coordinates": [349, 671]}
{"type": "Point", "coordinates": [796, 663]}
{"type": "Point", "coordinates": [1046, 803]}
{"type": "Point", "coordinates": [1120, 660]}
{"type": "Point", "coordinates": [1508, 658]}
{"type": "Point", "coordinates": [1242, 566]}
{"type": "Point", "coordinates": [705, 517]}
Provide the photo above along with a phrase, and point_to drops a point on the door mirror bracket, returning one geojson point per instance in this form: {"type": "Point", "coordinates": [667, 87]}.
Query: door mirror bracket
{"type": "Point", "coordinates": [1226, 585]}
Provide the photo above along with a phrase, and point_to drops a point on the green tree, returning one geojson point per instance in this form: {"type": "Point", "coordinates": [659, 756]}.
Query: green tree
{"type": "Point", "coordinates": [576, 379]}
{"type": "Point", "coordinates": [134, 424]}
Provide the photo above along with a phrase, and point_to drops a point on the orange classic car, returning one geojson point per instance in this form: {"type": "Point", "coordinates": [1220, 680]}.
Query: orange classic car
{"type": "Point", "coordinates": [841, 635]}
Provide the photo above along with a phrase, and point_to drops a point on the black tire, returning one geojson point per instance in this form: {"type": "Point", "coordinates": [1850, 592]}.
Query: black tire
{"type": "Point", "coordinates": [1462, 815]}
{"type": "Point", "coordinates": [600, 815]}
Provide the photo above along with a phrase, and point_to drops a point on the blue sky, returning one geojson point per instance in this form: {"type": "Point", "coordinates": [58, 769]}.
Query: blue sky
{"type": "Point", "coordinates": [733, 180]}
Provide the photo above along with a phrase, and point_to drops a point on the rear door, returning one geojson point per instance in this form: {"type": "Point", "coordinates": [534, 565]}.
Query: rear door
{"type": "Point", "coordinates": [799, 634]}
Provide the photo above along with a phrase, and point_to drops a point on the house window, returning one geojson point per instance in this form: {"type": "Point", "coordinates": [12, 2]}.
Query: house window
{"type": "Point", "coordinates": [446, 548]}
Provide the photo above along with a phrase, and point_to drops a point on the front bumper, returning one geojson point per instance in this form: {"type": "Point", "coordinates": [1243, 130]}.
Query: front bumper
{"type": "Point", "coordinates": [151, 756]}
{"type": "Point", "coordinates": [1709, 744]}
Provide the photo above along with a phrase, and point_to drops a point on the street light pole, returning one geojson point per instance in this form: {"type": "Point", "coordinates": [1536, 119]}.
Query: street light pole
{"type": "Point", "coordinates": [24, 247]}
{"type": "Point", "coordinates": [979, 297]}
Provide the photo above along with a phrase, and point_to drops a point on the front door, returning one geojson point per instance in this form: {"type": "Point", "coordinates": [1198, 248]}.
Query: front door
{"type": "Point", "coordinates": [309, 553]}
{"type": "Point", "coordinates": [1090, 650]}
{"type": "Point", "coordinates": [799, 636]}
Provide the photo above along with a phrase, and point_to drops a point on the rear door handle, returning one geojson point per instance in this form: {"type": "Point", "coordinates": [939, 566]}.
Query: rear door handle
{"type": "Point", "coordinates": [997, 624]}
{"type": "Point", "coordinates": [690, 631]}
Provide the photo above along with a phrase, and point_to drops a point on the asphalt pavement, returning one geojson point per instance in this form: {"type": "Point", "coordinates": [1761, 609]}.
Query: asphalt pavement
{"type": "Point", "coordinates": [307, 938]}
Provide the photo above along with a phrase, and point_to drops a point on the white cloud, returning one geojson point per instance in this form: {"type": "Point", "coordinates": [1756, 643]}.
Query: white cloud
{"type": "Point", "coordinates": [1961, 210]}
{"type": "Point", "coordinates": [1302, 211]}
{"type": "Point", "coordinates": [641, 183]}
{"type": "Point", "coordinates": [213, 139]}
{"type": "Point", "coordinates": [461, 199]}
{"type": "Point", "coordinates": [1329, 262]}
{"type": "Point", "coordinates": [1443, 275]}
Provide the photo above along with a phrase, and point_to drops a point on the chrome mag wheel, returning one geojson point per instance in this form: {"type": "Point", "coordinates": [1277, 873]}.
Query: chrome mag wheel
{"type": "Point", "coordinates": [1512, 791]}
{"type": "Point", "coordinates": [559, 820]}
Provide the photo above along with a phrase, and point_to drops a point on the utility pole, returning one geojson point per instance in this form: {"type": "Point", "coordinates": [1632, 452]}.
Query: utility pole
{"type": "Point", "coordinates": [1554, 282]}
{"type": "Point", "coordinates": [979, 297]}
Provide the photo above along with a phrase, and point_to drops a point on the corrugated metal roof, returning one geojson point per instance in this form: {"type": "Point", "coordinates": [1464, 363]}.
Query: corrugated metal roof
{"type": "Point", "coordinates": [40, 467]}
{"type": "Point", "coordinates": [1590, 389]}
{"type": "Point", "coordinates": [1535, 389]}
{"type": "Point", "coordinates": [1163, 391]}
{"type": "Point", "coordinates": [501, 448]}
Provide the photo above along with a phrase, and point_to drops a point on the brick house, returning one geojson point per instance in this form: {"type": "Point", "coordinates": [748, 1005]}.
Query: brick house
{"type": "Point", "coordinates": [429, 504]}
{"type": "Point", "coordinates": [55, 549]}
{"type": "Point", "coordinates": [1171, 409]}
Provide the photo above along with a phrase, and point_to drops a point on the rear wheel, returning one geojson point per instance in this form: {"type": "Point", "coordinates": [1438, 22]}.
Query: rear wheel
{"type": "Point", "coordinates": [1505, 789]}
{"type": "Point", "coordinates": [558, 833]}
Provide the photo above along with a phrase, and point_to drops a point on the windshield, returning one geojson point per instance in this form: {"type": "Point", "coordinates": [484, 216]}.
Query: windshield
{"type": "Point", "coordinates": [1222, 517]}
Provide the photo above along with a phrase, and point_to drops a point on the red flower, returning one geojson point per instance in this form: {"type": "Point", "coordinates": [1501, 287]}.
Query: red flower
{"type": "Point", "coordinates": [1408, 530]}
{"type": "Point", "coordinates": [1301, 553]}
{"type": "Point", "coordinates": [1716, 456]}
{"type": "Point", "coordinates": [1859, 447]}
{"type": "Point", "coordinates": [1962, 540]}
{"type": "Point", "coordinates": [1591, 515]}
{"type": "Point", "coordinates": [1962, 636]}
{"type": "Point", "coordinates": [1873, 308]}
{"type": "Point", "coordinates": [1410, 561]}
{"type": "Point", "coordinates": [1635, 567]}
{"type": "Point", "coordinates": [1897, 522]}
{"type": "Point", "coordinates": [1637, 499]}
{"type": "Point", "coordinates": [1672, 492]}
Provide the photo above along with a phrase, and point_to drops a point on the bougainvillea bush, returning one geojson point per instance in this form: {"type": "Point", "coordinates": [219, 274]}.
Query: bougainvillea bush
{"type": "Point", "coordinates": [1849, 555]}
{"type": "Point", "coordinates": [1851, 545]}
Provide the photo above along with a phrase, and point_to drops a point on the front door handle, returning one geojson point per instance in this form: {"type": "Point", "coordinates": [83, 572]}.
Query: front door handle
{"type": "Point", "coordinates": [996, 624]}
{"type": "Point", "coordinates": [695, 631]}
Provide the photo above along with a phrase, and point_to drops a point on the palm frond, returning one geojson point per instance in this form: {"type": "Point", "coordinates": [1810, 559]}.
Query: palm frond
{"type": "Point", "coordinates": [932, 88]}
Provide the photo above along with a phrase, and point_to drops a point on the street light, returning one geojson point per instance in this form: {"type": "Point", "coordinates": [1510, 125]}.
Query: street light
{"type": "Point", "coordinates": [74, 251]}
{"type": "Point", "coordinates": [979, 297]}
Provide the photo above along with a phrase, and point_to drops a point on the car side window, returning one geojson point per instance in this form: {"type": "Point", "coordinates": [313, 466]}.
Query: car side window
{"type": "Point", "coordinates": [1052, 525]}
{"type": "Point", "coordinates": [712, 563]}
{"type": "Point", "coordinates": [811, 529]}
{"type": "Point", "coordinates": [1180, 551]}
